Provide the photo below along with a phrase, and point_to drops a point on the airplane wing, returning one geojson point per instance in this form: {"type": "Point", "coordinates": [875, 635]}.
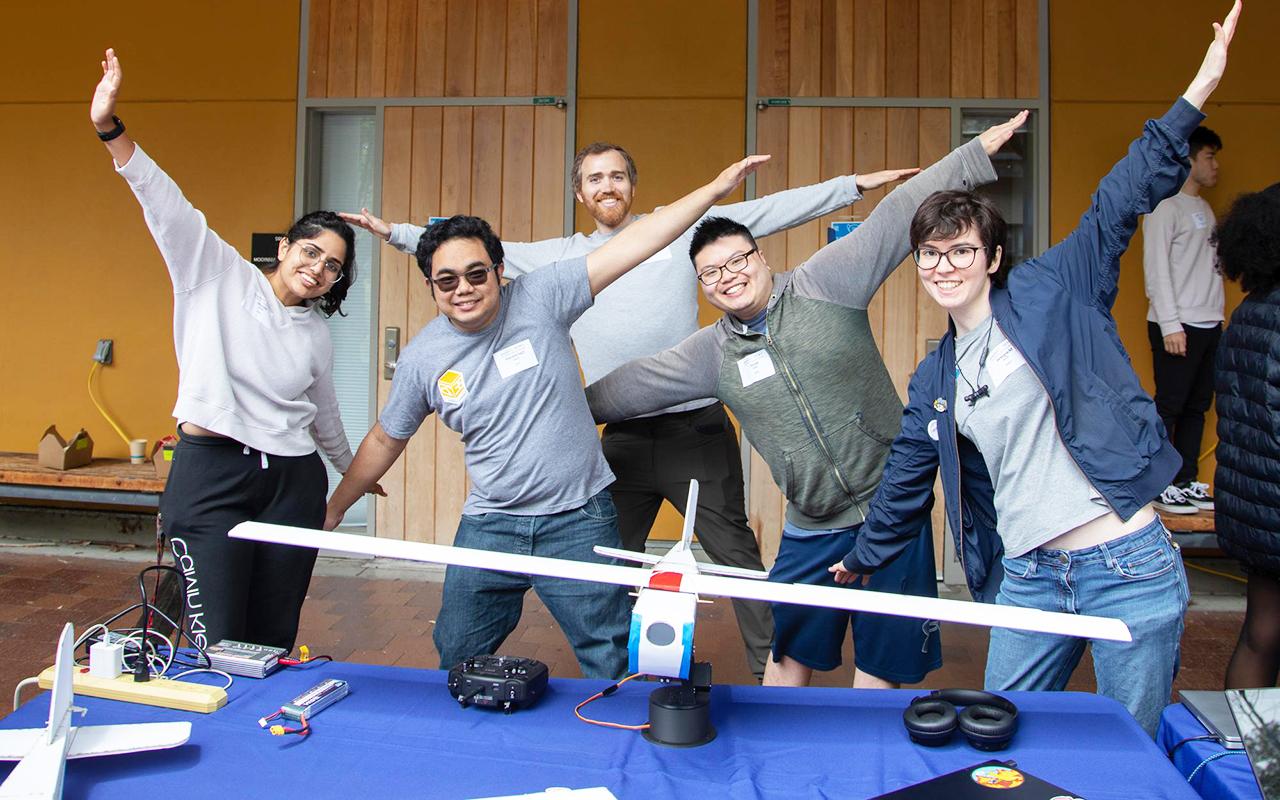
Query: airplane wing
{"type": "Point", "coordinates": [110, 740]}
{"type": "Point", "coordinates": [17, 743]}
{"type": "Point", "coordinates": [849, 599]}
{"type": "Point", "coordinates": [905, 605]}
{"type": "Point", "coordinates": [39, 773]}
{"type": "Point", "coordinates": [703, 567]}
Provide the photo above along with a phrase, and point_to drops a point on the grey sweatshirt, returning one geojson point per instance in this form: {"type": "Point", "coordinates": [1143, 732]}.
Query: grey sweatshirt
{"type": "Point", "coordinates": [1182, 281]}
{"type": "Point", "coordinates": [655, 305]}
{"type": "Point", "coordinates": [814, 396]}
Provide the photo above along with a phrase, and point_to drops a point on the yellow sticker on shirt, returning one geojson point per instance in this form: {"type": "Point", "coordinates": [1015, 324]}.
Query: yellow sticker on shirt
{"type": "Point", "coordinates": [453, 387]}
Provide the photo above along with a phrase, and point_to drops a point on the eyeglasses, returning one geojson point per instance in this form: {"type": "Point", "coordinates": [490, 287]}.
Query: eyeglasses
{"type": "Point", "coordinates": [476, 276]}
{"type": "Point", "coordinates": [711, 275]}
{"type": "Point", "coordinates": [332, 267]}
{"type": "Point", "coordinates": [961, 256]}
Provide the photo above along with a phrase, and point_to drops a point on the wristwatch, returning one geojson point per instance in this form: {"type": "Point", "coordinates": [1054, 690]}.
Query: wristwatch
{"type": "Point", "coordinates": [107, 136]}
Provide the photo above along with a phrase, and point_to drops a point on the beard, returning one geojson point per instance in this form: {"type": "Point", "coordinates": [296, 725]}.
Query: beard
{"type": "Point", "coordinates": [609, 216]}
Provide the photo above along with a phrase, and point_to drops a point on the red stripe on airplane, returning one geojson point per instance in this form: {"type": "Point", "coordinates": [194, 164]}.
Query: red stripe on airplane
{"type": "Point", "coordinates": [667, 581]}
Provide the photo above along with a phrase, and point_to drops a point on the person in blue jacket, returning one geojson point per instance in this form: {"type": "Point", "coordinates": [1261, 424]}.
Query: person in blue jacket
{"type": "Point", "coordinates": [1050, 449]}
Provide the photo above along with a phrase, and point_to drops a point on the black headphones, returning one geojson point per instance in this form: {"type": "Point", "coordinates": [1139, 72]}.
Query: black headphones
{"type": "Point", "coordinates": [988, 721]}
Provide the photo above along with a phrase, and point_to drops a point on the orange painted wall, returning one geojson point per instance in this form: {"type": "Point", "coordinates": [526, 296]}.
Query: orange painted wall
{"type": "Point", "coordinates": [1113, 65]}
{"type": "Point", "coordinates": [210, 92]}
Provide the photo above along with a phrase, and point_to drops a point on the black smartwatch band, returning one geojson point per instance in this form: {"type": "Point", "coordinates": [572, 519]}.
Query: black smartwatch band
{"type": "Point", "coordinates": [107, 136]}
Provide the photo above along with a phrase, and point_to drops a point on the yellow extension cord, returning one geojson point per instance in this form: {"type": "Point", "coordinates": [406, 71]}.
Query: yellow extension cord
{"type": "Point", "coordinates": [92, 372]}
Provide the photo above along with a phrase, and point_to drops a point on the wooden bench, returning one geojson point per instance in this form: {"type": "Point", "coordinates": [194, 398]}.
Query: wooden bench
{"type": "Point", "coordinates": [104, 481]}
{"type": "Point", "coordinates": [1191, 531]}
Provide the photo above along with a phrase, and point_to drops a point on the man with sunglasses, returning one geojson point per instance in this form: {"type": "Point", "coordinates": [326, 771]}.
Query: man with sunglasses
{"type": "Point", "coordinates": [498, 366]}
{"type": "Point", "coordinates": [795, 360]}
{"type": "Point", "coordinates": [650, 309]}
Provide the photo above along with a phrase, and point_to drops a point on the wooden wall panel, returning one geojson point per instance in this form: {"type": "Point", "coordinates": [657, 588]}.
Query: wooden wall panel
{"type": "Point", "coordinates": [397, 146]}
{"type": "Point", "coordinates": [898, 48]}
{"type": "Point", "coordinates": [437, 48]}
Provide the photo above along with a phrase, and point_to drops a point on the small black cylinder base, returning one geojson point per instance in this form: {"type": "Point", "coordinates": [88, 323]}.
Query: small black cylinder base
{"type": "Point", "coordinates": [679, 716]}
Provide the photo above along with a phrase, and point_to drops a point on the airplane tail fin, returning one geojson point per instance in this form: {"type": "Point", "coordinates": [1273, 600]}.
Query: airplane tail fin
{"type": "Point", "coordinates": [63, 692]}
{"type": "Point", "coordinates": [690, 509]}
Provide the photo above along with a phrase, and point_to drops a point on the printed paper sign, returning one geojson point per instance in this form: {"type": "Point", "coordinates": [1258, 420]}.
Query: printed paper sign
{"type": "Point", "coordinates": [515, 359]}
{"type": "Point", "coordinates": [755, 367]}
{"type": "Point", "coordinates": [453, 387]}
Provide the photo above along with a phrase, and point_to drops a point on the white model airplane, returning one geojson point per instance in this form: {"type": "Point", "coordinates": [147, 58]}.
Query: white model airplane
{"type": "Point", "coordinates": [42, 753]}
{"type": "Point", "coordinates": [662, 623]}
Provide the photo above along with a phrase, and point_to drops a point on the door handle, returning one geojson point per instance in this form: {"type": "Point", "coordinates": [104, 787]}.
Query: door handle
{"type": "Point", "coordinates": [390, 352]}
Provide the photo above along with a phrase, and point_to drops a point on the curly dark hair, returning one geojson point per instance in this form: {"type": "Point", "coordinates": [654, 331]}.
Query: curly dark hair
{"type": "Point", "coordinates": [309, 226]}
{"type": "Point", "coordinates": [1248, 240]}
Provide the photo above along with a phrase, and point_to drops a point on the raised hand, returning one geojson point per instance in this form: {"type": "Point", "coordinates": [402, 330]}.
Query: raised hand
{"type": "Point", "coordinates": [375, 225]}
{"type": "Point", "coordinates": [734, 174]}
{"type": "Point", "coordinates": [874, 180]}
{"type": "Point", "coordinates": [103, 106]}
{"type": "Point", "coordinates": [1215, 59]}
{"type": "Point", "coordinates": [993, 138]}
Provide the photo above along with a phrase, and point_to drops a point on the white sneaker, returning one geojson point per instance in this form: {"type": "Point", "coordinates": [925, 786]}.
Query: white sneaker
{"type": "Point", "coordinates": [1174, 501]}
{"type": "Point", "coordinates": [1197, 494]}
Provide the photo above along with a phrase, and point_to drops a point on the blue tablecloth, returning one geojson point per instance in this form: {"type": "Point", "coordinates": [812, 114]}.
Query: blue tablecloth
{"type": "Point", "coordinates": [1226, 777]}
{"type": "Point", "coordinates": [399, 734]}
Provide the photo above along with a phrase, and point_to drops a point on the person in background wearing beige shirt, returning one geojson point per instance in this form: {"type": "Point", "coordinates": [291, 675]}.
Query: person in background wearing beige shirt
{"type": "Point", "coordinates": [1184, 319]}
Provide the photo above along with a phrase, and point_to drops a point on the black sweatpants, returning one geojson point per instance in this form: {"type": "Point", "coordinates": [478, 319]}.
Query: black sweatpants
{"type": "Point", "coordinates": [1184, 391]}
{"type": "Point", "coordinates": [238, 589]}
{"type": "Point", "coordinates": [653, 459]}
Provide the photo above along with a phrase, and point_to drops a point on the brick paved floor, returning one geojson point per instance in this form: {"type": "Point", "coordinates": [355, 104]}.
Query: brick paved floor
{"type": "Point", "coordinates": [388, 620]}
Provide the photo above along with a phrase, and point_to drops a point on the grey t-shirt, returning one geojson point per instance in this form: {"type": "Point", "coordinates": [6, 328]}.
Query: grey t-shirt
{"type": "Point", "coordinates": [514, 392]}
{"type": "Point", "coordinates": [1040, 491]}
{"type": "Point", "coordinates": [655, 305]}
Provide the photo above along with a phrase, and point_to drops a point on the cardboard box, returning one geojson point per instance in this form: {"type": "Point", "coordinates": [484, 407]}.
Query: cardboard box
{"type": "Point", "coordinates": [55, 452]}
{"type": "Point", "coordinates": [162, 455]}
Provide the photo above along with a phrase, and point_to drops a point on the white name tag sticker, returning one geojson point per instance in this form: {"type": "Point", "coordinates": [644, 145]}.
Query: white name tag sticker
{"type": "Point", "coordinates": [1003, 362]}
{"type": "Point", "coordinates": [1200, 220]}
{"type": "Point", "coordinates": [515, 359]}
{"type": "Point", "coordinates": [755, 367]}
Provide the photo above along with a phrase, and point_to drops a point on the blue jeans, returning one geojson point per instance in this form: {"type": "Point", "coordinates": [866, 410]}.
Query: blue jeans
{"type": "Point", "coordinates": [1139, 579]}
{"type": "Point", "coordinates": [481, 607]}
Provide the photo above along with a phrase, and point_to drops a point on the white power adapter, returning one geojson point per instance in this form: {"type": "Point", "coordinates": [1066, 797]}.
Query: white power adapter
{"type": "Point", "coordinates": [106, 660]}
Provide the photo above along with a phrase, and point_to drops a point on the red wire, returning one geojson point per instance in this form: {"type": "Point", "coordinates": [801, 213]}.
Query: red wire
{"type": "Point", "coordinates": [577, 711]}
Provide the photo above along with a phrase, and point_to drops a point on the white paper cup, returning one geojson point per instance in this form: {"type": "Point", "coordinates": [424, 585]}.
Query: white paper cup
{"type": "Point", "coordinates": [138, 451]}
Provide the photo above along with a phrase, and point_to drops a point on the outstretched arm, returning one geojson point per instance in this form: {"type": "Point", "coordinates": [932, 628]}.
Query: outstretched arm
{"type": "Point", "coordinates": [193, 253]}
{"type": "Point", "coordinates": [1088, 260]}
{"type": "Point", "coordinates": [688, 371]}
{"type": "Point", "coordinates": [850, 270]}
{"type": "Point", "coordinates": [102, 109]}
{"type": "Point", "coordinates": [652, 232]}
{"type": "Point", "coordinates": [377, 453]}
{"type": "Point", "coordinates": [791, 207]}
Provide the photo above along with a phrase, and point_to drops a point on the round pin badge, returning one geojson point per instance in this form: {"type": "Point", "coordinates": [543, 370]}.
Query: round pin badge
{"type": "Point", "coordinates": [940, 405]}
{"type": "Point", "coordinates": [997, 776]}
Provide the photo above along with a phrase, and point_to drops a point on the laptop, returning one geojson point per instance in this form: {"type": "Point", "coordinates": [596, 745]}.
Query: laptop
{"type": "Point", "coordinates": [1210, 707]}
{"type": "Point", "coordinates": [1257, 715]}
{"type": "Point", "coordinates": [977, 781]}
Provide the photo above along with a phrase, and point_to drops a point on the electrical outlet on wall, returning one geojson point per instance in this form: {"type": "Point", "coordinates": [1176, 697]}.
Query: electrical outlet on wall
{"type": "Point", "coordinates": [102, 354]}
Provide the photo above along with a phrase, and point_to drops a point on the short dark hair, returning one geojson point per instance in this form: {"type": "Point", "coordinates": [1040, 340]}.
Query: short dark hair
{"type": "Point", "coordinates": [459, 226]}
{"type": "Point", "coordinates": [595, 149]}
{"type": "Point", "coordinates": [1248, 240]}
{"type": "Point", "coordinates": [1201, 138]}
{"type": "Point", "coordinates": [713, 229]}
{"type": "Point", "coordinates": [308, 226]}
{"type": "Point", "coordinates": [944, 215]}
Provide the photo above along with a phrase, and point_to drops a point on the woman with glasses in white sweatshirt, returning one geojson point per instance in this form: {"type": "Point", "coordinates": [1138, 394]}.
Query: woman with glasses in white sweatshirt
{"type": "Point", "coordinates": [255, 396]}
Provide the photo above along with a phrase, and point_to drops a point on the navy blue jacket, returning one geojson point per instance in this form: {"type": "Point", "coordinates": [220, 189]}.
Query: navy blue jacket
{"type": "Point", "coordinates": [1056, 310]}
{"type": "Point", "coordinates": [1247, 483]}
